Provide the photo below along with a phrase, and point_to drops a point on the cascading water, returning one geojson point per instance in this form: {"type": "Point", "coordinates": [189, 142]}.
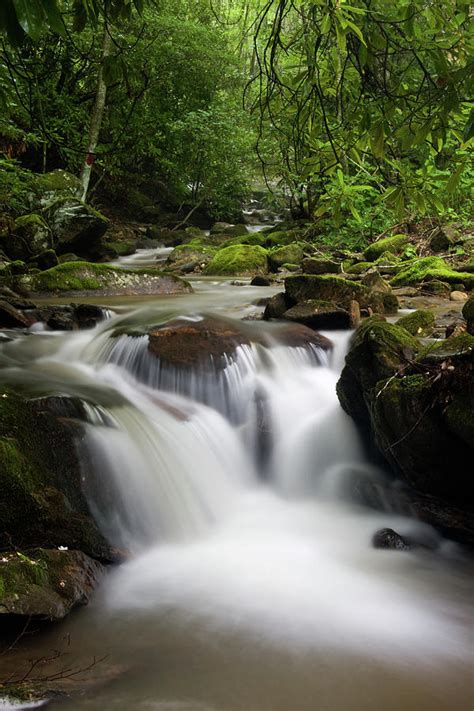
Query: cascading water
{"type": "Point", "coordinates": [253, 584]}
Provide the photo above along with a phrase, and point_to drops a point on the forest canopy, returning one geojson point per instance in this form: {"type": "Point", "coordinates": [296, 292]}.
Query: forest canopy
{"type": "Point", "coordinates": [359, 113]}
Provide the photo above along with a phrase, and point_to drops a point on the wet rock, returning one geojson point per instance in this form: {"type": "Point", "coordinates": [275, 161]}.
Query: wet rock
{"type": "Point", "coordinates": [31, 234]}
{"type": "Point", "coordinates": [390, 304]}
{"type": "Point", "coordinates": [468, 313]}
{"type": "Point", "coordinates": [228, 229]}
{"type": "Point", "coordinates": [276, 307]}
{"type": "Point", "coordinates": [455, 328]}
{"type": "Point", "coordinates": [46, 583]}
{"type": "Point", "coordinates": [11, 317]}
{"type": "Point", "coordinates": [319, 315]}
{"type": "Point", "coordinates": [260, 281]}
{"type": "Point", "coordinates": [389, 539]}
{"type": "Point", "coordinates": [305, 287]}
{"type": "Point", "coordinates": [375, 282]}
{"type": "Point", "coordinates": [42, 503]}
{"type": "Point", "coordinates": [47, 259]}
{"type": "Point", "coordinates": [297, 335]}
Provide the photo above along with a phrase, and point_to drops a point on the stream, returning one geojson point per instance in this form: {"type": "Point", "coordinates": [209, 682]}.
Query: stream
{"type": "Point", "coordinates": [252, 584]}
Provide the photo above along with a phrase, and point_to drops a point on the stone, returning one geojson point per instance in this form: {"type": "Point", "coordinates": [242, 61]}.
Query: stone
{"type": "Point", "coordinates": [306, 287]}
{"type": "Point", "coordinates": [375, 282]}
{"type": "Point", "coordinates": [390, 304]}
{"type": "Point", "coordinates": [46, 583]}
{"type": "Point", "coordinates": [238, 260]}
{"type": "Point", "coordinates": [10, 317]}
{"type": "Point", "coordinates": [46, 259]}
{"type": "Point", "coordinates": [395, 245]}
{"type": "Point", "coordinates": [317, 265]}
{"type": "Point", "coordinates": [76, 227]}
{"type": "Point", "coordinates": [418, 323]}
{"type": "Point", "coordinates": [31, 234]}
{"type": "Point", "coordinates": [276, 307]}
{"type": "Point", "coordinates": [429, 268]}
{"type": "Point", "coordinates": [468, 313]}
{"type": "Point", "coordinates": [228, 229]}
{"type": "Point", "coordinates": [389, 539]}
{"type": "Point", "coordinates": [458, 296]}
{"type": "Point", "coordinates": [289, 254]}
{"type": "Point", "coordinates": [319, 315]}
{"type": "Point", "coordinates": [78, 277]}
{"type": "Point", "coordinates": [260, 281]}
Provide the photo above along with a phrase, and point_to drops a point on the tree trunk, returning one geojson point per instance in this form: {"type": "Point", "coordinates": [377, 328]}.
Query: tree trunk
{"type": "Point", "coordinates": [96, 118]}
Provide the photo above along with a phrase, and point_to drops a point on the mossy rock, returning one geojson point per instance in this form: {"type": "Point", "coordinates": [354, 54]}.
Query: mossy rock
{"type": "Point", "coordinates": [319, 265]}
{"type": "Point", "coordinates": [282, 238]}
{"type": "Point", "coordinates": [291, 253]}
{"type": "Point", "coordinates": [394, 244]}
{"type": "Point", "coordinates": [253, 238]}
{"type": "Point", "coordinates": [30, 235]}
{"type": "Point", "coordinates": [328, 287]}
{"type": "Point", "coordinates": [418, 323]}
{"type": "Point", "coordinates": [390, 304]}
{"type": "Point", "coordinates": [429, 268]}
{"type": "Point", "coordinates": [388, 258]}
{"type": "Point", "coordinates": [229, 230]}
{"type": "Point", "coordinates": [197, 253]}
{"type": "Point", "coordinates": [41, 478]}
{"type": "Point", "coordinates": [457, 348]}
{"type": "Point", "coordinates": [57, 181]}
{"type": "Point", "coordinates": [238, 259]}
{"type": "Point", "coordinates": [430, 444]}
{"type": "Point", "coordinates": [437, 287]}
{"type": "Point", "coordinates": [46, 259]}
{"type": "Point", "coordinates": [378, 350]}
{"type": "Point", "coordinates": [359, 268]}
{"type": "Point", "coordinates": [121, 249]}
{"type": "Point", "coordinates": [46, 583]}
{"type": "Point", "coordinates": [75, 277]}
{"type": "Point", "coordinates": [468, 313]}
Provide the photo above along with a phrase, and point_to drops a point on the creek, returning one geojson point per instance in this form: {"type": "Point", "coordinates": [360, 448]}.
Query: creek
{"type": "Point", "coordinates": [251, 584]}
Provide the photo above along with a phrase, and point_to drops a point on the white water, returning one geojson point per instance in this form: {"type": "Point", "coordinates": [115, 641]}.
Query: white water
{"type": "Point", "coordinates": [247, 562]}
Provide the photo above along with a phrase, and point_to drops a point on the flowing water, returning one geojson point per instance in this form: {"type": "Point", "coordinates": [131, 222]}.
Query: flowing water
{"type": "Point", "coordinates": [251, 583]}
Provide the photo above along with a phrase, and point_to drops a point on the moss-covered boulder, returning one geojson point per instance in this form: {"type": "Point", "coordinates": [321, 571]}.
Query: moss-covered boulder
{"type": "Point", "coordinates": [78, 277]}
{"type": "Point", "coordinates": [418, 323]}
{"type": "Point", "coordinates": [193, 256]}
{"type": "Point", "coordinates": [46, 583]}
{"type": "Point", "coordinates": [289, 254]}
{"type": "Point", "coordinates": [41, 478]}
{"type": "Point", "coordinates": [31, 234]}
{"type": "Point", "coordinates": [76, 227]}
{"type": "Point", "coordinates": [359, 268]}
{"type": "Point", "coordinates": [340, 291]}
{"type": "Point", "coordinates": [378, 351]}
{"type": "Point", "coordinates": [120, 249]}
{"type": "Point", "coordinates": [394, 244]}
{"type": "Point", "coordinates": [49, 187]}
{"type": "Point", "coordinates": [238, 260]}
{"type": "Point", "coordinates": [429, 268]}
{"type": "Point", "coordinates": [281, 238]}
{"type": "Point", "coordinates": [228, 229]}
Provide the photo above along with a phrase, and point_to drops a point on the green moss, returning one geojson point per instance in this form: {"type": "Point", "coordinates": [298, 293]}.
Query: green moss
{"type": "Point", "coordinates": [390, 304]}
{"type": "Point", "coordinates": [282, 238]}
{"type": "Point", "coordinates": [393, 244]}
{"type": "Point", "coordinates": [359, 268]}
{"type": "Point", "coordinates": [121, 249]}
{"type": "Point", "coordinates": [291, 267]}
{"type": "Point", "coordinates": [254, 238]}
{"type": "Point", "coordinates": [388, 258]}
{"type": "Point", "coordinates": [459, 347]}
{"type": "Point", "coordinates": [291, 253]}
{"type": "Point", "coordinates": [429, 268]}
{"type": "Point", "coordinates": [238, 259]}
{"type": "Point", "coordinates": [57, 180]}
{"type": "Point", "coordinates": [418, 323]}
{"type": "Point", "coordinates": [23, 222]}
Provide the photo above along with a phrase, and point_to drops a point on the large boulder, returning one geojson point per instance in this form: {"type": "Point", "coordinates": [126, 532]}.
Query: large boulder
{"type": "Point", "coordinates": [47, 188]}
{"type": "Point", "coordinates": [320, 265]}
{"type": "Point", "coordinates": [75, 278]}
{"type": "Point", "coordinates": [238, 260]}
{"type": "Point", "coordinates": [41, 479]}
{"type": "Point", "coordinates": [31, 234]}
{"type": "Point", "coordinates": [319, 315]}
{"type": "Point", "coordinates": [46, 583]}
{"type": "Point", "coordinates": [289, 254]}
{"type": "Point", "coordinates": [76, 227]}
{"type": "Point", "coordinates": [328, 287]}
{"type": "Point", "coordinates": [190, 257]}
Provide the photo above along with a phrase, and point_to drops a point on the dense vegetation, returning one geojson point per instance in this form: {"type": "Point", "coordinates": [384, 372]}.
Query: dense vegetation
{"type": "Point", "coordinates": [359, 112]}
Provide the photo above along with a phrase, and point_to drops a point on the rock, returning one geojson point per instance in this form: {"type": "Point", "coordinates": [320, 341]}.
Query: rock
{"type": "Point", "coordinates": [305, 287]}
{"type": "Point", "coordinates": [31, 235]}
{"type": "Point", "coordinates": [455, 328]}
{"type": "Point", "coordinates": [42, 503]}
{"type": "Point", "coordinates": [389, 539]}
{"type": "Point", "coordinates": [354, 314]}
{"type": "Point", "coordinates": [79, 277]}
{"type": "Point", "coordinates": [10, 317]}
{"type": "Point", "coordinates": [316, 265]}
{"type": "Point", "coordinates": [238, 260]}
{"type": "Point", "coordinates": [441, 240]}
{"type": "Point", "coordinates": [468, 313]}
{"type": "Point", "coordinates": [359, 268]}
{"type": "Point", "coordinates": [319, 315]}
{"type": "Point", "coordinates": [409, 291]}
{"type": "Point", "coordinates": [374, 282]}
{"type": "Point", "coordinates": [47, 259]}
{"type": "Point", "coordinates": [276, 307]}
{"type": "Point", "coordinates": [116, 249]}
{"type": "Point", "coordinates": [289, 254]}
{"type": "Point", "coordinates": [18, 267]}
{"type": "Point", "coordinates": [418, 323]}
{"type": "Point", "coordinates": [193, 253]}
{"type": "Point", "coordinates": [458, 296]}
{"type": "Point", "coordinates": [429, 268]}
{"type": "Point", "coordinates": [378, 351]}
{"type": "Point", "coordinates": [46, 583]}
{"type": "Point", "coordinates": [76, 227]}
{"type": "Point", "coordinates": [57, 184]}
{"type": "Point", "coordinates": [168, 237]}
{"type": "Point", "coordinates": [436, 287]}
{"type": "Point", "coordinates": [296, 335]}
{"type": "Point", "coordinates": [454, 350]}
{"type": "Point", "coordinates": [394, 244]}
{"type": "Point", "coordinates": [209, 343]}
{"type": "Point", "coordinates": [228, 229]}
{"type": "Point", "coordinates": [260, 281]}
{"type": "Point", "coordinates": [390, 304]}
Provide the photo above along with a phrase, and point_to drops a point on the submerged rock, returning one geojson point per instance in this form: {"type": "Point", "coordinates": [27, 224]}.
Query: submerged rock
{"type": "Point", "coordinates": [390, 539]}
{"type": "Point", "coordinates": [46, 583]}
{"type": "Point", "coordinates": [11, 317]}
{"type": "Point", "coordinates": [319, 315]}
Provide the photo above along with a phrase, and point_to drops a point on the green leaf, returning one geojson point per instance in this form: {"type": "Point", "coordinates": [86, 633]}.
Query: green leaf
{"type": "Point", "coordinates": [468, 132]}
{"type": "Point", "coordinates": [378, 141]}
{"type": "Point", "coordinates": [453, 181]}
{"type": "Point", "coordinates": [30, 17]}
{"type": "Point", "coordinates": [55, 19]}
{"type": "Point", "coordinates": [325, 24]}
